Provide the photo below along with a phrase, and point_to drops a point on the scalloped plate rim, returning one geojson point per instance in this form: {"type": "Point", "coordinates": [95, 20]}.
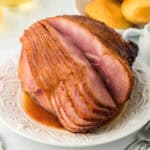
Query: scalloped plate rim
{"type": "Point", "coordinates": [94, 143]}
{"type": "Point", "coordinates": [64, 145]}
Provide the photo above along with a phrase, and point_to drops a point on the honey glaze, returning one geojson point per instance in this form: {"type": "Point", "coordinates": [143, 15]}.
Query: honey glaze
{"type": "Point", "coordinates": [118, 115]}
{"type": "Point", "coordinates": [41, 116]}
{"type": "Point", "coordinates": [38, 114]}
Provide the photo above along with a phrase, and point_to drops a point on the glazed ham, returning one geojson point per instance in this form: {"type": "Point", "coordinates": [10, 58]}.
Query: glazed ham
{"type": "Point", "coordinates": [78, 69]}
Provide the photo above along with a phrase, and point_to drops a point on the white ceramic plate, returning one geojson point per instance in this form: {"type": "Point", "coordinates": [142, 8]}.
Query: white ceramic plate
{"type": "Point", "coordinates": [80, 5]}
{"type": "Point", "coordinates": [133, 117]}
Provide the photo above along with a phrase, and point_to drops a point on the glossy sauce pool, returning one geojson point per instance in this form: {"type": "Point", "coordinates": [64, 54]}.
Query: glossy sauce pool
{"type": "Point", "coordinates": [43, 117]}
{"type": "Point", "coordinates": [38, 114]}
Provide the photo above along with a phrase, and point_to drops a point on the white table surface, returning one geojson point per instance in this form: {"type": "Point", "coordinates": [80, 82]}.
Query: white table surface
{"type": "Point", "coordinates": [12, 29]}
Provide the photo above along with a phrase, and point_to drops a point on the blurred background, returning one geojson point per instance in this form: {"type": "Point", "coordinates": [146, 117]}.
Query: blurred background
{"type": "Point", "coordinates": [17, 15]}
{"type": "Point", "coordinates": [122, 15]}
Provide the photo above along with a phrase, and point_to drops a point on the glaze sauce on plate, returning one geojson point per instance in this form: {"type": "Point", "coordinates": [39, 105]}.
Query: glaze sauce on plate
{"type": "Point", "coordinates": [38, 114]}
{"type": "Point", "coordinates": [43, 117]}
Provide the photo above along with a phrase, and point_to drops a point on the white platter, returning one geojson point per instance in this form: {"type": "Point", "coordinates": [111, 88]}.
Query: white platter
{"type": "Point", "coordinates": [133, 117]}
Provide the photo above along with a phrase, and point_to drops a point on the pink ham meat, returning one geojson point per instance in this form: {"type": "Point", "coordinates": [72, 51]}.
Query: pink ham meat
{"type": "Point", "coordinates": [78, 69]}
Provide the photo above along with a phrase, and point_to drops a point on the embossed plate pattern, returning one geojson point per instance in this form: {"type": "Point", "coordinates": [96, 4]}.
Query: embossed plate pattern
{"type": "Point", "coordinates": [133, 117]}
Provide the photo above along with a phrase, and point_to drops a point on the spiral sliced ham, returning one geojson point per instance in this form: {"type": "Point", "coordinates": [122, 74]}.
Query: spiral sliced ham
{"type": "Point", "coordinates": [78, 69]}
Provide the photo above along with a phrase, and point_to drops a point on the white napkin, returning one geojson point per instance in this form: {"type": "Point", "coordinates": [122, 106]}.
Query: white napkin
{"type": "Point", "coordinates": [143, 36]}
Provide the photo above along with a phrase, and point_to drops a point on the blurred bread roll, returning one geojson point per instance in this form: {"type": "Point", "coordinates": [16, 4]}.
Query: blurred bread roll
{"type": "Point", "coordinates": [108, 11]}
{"type": "Point", "coordinates": [136, 11]}
{"type": "Point", "coordinates": [1, 15]}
